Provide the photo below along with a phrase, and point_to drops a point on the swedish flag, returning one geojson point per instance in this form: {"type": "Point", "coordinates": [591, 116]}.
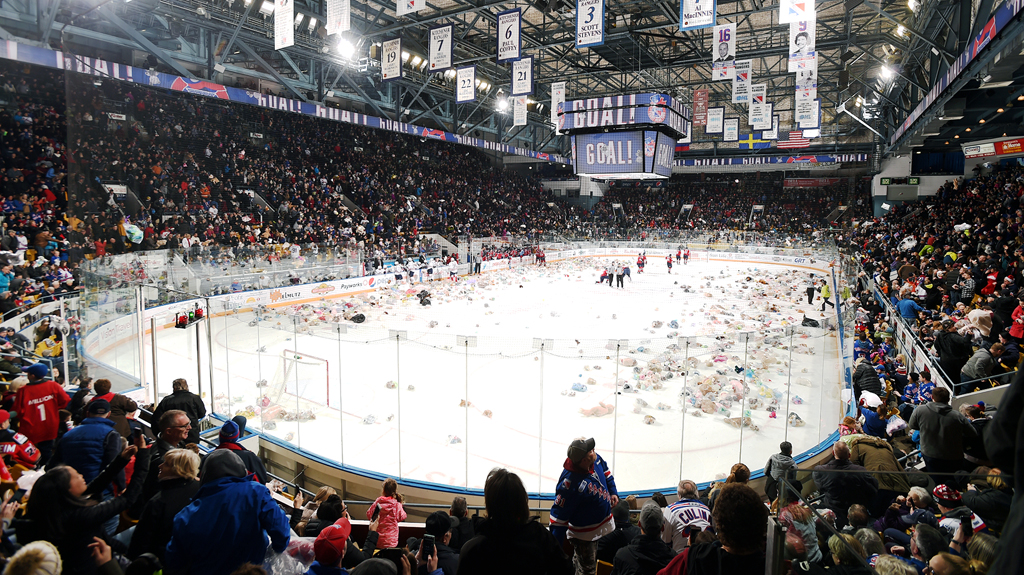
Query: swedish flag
{"type": "Point", "coordinates": [753, 141]}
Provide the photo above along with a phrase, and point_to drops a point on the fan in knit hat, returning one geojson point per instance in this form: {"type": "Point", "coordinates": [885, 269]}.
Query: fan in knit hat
{"type": "Point", "coordinates": [36, 558]}
{"type": "Point", "coordinates": [947, 496]}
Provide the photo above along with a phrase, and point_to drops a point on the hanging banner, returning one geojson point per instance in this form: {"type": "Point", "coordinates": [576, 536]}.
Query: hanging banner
{"type": "Point", "coordinates": [715, 117]}
{"type": "Point", "coordinates": [522, 76]}
{"type": "Point", "coordinates": [557, 99]}
{"type": "Point", "coordinates": [465, 84]}
{"type": "Point", "coordinates": [509, 39]}
{"type": "Point", "coordinates": [731, 130]}
{"type": "Point", "coordinates": [763, 119]}
{"type": "Point", "coordinates": [696, 14]}
{"type": "Point", "coordinates": [284, 24]}
{"type": "Point", "coordinates": [807, 82]}
{"type": "Point", "coordinates": [758, 93]}
{"type": "Point", "coordinates": [700, 107]}
{"type": "Point", "coordinates": [391, 59]}
{"type": "Point", "coordinates": [689, 134]}
{"type": "Point", "coordinates": [725, 51]}
{"type": "Point", "coordinates": [338, 16]}
{"type": "Point", "coordinates": [589, 23]}
{"type": "Point", "coordinates": [741, 82]}
{"type": "Point", "coordinates": [441, 39]}
{"type": "Point", "coordinates": [806, 114]}
{"type": "Point", "coordinates": [801, 44]}
{"type": "Point", "coordinates": [519, 111]}
{"type": "Point", "coordinates": [795, 10]}
{"type": "Point", "coordinates": [404, 7]}
{"type": "Point", "coordinates": [772, 134]}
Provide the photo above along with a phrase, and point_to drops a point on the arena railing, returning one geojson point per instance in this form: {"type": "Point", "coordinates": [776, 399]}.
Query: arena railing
{"type": "Point", "coordinates": [280, 357]}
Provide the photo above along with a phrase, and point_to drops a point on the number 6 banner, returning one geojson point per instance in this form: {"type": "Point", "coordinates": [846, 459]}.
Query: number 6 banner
{"type": "Point", "coordinates": [391, 59]}
{"type": "Point", "coordinates": [589, 23]}
{"type": "Point", "coordinates": [465, 84]}
{"type": "Point", "coordinates": [522, 76]}
{"type": "Point", "coordinates": [441, 48]}
{"type": "Point", "coordinates": [508, 34]}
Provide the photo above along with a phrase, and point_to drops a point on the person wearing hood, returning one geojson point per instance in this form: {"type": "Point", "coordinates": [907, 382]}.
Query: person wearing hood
{"type": "Point", "coordinates": [943, 434]}
{"type": "Point", "coordinates": [625, 532]}
{"type": "Point", "coordinates": [647, 553]}
{"type": "Point", "coordinates": [228, 522]}
{"type": "Point", "coordinates": [584, 497]}
{"type": "Point", "coordinates": [229, 434]}
{"type": "Point", "coordinates": [776, 467]}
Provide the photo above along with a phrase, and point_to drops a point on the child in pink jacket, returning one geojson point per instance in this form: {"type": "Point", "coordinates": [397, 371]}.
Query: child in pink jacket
{"type": "Point", "coordinates": [390, 513]}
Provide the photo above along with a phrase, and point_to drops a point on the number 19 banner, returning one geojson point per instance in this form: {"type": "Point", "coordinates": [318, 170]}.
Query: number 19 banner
{"type": "Point", "coordinates": [589, 23]}
{"type": "Point", "coordinates": [391, 59]}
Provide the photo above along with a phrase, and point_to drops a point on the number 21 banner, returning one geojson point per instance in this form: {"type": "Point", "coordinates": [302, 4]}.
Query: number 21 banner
{"type": "Point", "coordinates": [522, 76]}
{"type": "Point", "coordinates": [589, 23]}
{"type": "Point", "coordinates": [465, 82]}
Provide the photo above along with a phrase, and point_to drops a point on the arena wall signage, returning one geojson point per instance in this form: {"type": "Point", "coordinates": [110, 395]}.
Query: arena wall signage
{"type": "Point", "coordinates": [624, 111]}
{"type": "Point", "coordinates": [96, 67]}
{"type": "Point", "coordinates": [1003, 16]}
{"type": "Point", "coordinates": [742, 161]}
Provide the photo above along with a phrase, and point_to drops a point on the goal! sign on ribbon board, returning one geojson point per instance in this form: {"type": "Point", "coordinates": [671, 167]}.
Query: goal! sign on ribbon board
{"type": "Point", "coordinates": [441, 39]}
{"type": "Point", "coordinates": [391, 60]}
{"type": "Point", "coordinates": [284, 24]}
{"type": "Point", "coordinates": [465, 84]}
{"type": "Point", "coordinates": [589, 23]}
{"type": "Point", "coordinates": [696, 14]}
{"type": "Point", "coordinates": [338, 16]}
{"type": "Point", "coordinates": [522, 76]}
{"type": "Point", "coordinates": [509, 38]}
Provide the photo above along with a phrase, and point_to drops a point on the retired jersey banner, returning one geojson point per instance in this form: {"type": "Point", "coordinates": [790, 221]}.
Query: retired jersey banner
{"type": "Point", "coordinates": [441, 39]}
{"type": "Point", "coordinates": [589, 23]}
{"type": "Point", "coordinates": [715, 118]}
{"type": "Point", "coordinates": [807, 83]}
{"type": "Point", "coordinates": [741, 82]}
{"type": "Point", "coordinates": [731, 130]}
{"type": "Point", "coordinates": [801, 44]}
{"type": "Point", "coordinates": [725, 52]}
{"type": "Point", "coordinates": [772, 134]}
{"type": "Point", "coordinates": [391, 59]}
{"type": "Point", "coordinates": [339, 15]}
{"type": "Point", "coordinates": [404, 7]}
{"type": "Point", "coordinates": [284, 24]}
{"type": "Point", "coordinates": [519, 111]}
{"type": "Point", "coordinates": [700, 107]}
{"type": "Point", "coordinates": [761, 116]}
{"type": "Point", "coordinates": [522, 76]}
{"type": "Point", "coordinates": [696, 14]}
{"type": "Point", "coordinates": [509, 38]}
{"type": "Point", "coordinates": [557, 100]}
{"type": "Point", "coordinates": [465, 84]}
{"type": "Point", "coordinates": [689, 134]}
{"type": "Point", "coordinates": [795, 10]}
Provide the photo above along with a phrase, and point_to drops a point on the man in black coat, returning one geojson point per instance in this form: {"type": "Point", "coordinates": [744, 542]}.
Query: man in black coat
{"type": "Point", "coordinates": [465, 529]}
{"type": "Point", "coordinates": [646, 554]}
{"type": "Point", "coordinates": [953, 350]}
{"type": "Point", "coordinates": [841, 490]}
{"type": "Point", "coordinates": [865, 378]}
{"type": "Point", "coordinates": [440, 525]}
{"type": "Point", "coordinates": [624, 533]}
{"type": "Point", "coordinates": [193, 406]}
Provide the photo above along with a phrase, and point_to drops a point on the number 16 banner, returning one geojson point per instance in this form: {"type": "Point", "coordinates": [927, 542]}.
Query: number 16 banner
{"type": "Point", "coordinates": [589, 23]}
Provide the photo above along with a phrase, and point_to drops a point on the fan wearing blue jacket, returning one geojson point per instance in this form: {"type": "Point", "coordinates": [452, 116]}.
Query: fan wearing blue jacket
{"type": "Point", "coordinates": [227, 523]}
{"type": "Point", "coordinates": [584, 498]}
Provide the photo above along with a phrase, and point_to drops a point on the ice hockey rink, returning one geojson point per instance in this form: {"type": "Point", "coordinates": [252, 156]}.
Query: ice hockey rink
{"type": "Point", "coordinates": [388, 396]}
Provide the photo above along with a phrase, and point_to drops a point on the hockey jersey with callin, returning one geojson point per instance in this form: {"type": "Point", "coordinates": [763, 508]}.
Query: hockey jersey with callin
{"type": "Point", "coordinates": [583, 502]}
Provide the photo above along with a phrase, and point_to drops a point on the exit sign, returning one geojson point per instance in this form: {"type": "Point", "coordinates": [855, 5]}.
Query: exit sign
{"type": "Point", "coordinates": [914, 181]}
{"type": "Point", "coordinates": [886, 181]}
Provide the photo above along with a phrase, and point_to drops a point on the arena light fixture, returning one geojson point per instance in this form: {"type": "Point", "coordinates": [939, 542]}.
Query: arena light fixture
{"type": "Point", "coordinates": [885, 72]}
{"type": "Point", "coordinates": [346, 49]}
{"type": "Point", "coordinates": [267, 8]}
{"type": "Point", "coordinates": [968, 129]}
{"type": "Point", "coordinates": [405, 56]}
{"type": "Point", "coordinates": [416, 61]}
{"type": "Point", "coordinates": [956, 137]}
{"type": "Point", "coordinates": [502, 101]}
{"type": "Point", "coordinates": [298, 19]}
{"type": "Point", "coordinates": [1000, 111]}
{"type": "Point", "coordinates": [981, 121]}
{"type": "Point", "coordinates": [901, 30]}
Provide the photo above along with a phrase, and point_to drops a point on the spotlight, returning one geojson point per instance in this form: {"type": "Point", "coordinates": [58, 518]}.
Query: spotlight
{"type": "Point", "coordinates": [1000, 111]}
{"type": "Point", "coordinates": [346, 49]}
{"type": "Point", "coordinates": [981, 121]}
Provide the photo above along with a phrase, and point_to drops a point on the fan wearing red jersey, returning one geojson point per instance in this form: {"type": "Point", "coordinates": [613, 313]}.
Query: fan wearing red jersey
{"type": "Point", "coordinates": [37, 405]}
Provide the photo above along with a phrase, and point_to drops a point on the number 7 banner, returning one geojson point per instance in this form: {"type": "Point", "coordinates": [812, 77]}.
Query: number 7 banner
{"type": "Point", "coordinates": [589, 23]}
{"type": "Point", "coordinates": [441, 48]}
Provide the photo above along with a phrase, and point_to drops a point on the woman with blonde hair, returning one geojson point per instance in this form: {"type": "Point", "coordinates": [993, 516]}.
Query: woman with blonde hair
{"type": "Point", "coordinates": [739, 473]}
{"type": "Point", "coordinates": [178, 485]}
{"type": "Point", "coordinates": [301, 514]}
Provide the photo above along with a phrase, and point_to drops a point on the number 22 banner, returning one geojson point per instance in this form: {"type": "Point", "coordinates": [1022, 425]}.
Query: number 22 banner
{"type": "Point", "coordinates": [589, 23]}
{"type": "Point", "coordinates": [465, 79]}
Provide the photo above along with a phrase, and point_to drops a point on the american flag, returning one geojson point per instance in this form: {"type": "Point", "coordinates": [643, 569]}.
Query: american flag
{"type": "Point", "coordinates": [792, 140]}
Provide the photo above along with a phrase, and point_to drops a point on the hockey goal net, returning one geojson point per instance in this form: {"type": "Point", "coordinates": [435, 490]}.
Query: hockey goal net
{"type": "Point", "coordinates": [303, 376]}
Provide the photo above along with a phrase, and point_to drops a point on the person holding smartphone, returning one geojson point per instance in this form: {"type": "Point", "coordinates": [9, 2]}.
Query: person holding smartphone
{"type": "Point", "coordinates": [439, 528]}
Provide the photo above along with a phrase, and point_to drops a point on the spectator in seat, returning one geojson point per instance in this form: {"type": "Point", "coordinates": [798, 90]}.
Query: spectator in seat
{"type": "Point", "coordinates": [303, 512]}
{"type": "Point", "coordinates": [981, 365]}
{"type": "Point", "coordinates": [584, 497]}
{"type": "Point", "coordinates": [623, 534]}
{"type": "Point", "coordinates": [925, 542]}
{"type": "Point", "coordinates": [865, 378]}
{"type": "Point", "coordinates": [178, 485]}
{"type": "Point", "coordinates": [685, 517]}
{"type": "Point", "coordinates": [329, 549]}
{"type": "Point", "coordinates": [465, 530]}
{"type": "Point", "coordinates": [229, 434]}
{"type": "Point", "coordinates": [740, 520]}
{"type": "Point", "coordinates": [228, 522]}
{"type": "Point", "coordinates": [65, 511]}
{"type": "Point", "coordinates": [389, 512]}
{"type": "Point", "coordinates": [509, 541]}
{"type": "Point", "coordinates": [943, 433]}
{"type": "Point", "coordinates": [120, 406]}
{"type": "Point", "coordinates": [183, 399]}
{"type": "Point", "coordinates": [839, 489]}
{"type": "Point", "coordinates": [991, 501]}
{"type": "Point", "coordinates": [440, 525]}
{"type": "Point", "coordinates": [15, 447]}
{"type": "Point", "coordinates": [953, 349]}
{"type": "Point", "coordinates": [36, 405]}
{"type": "Point", "coordinates": [775, 469]}
{"type": "Point", "coordinates": [876, 455]}
{"type": "Point", "coordinates": [648, 553]}
{"type": "Point", "coordinates": [738, 473]}
{"type": "Point", "coordinates": [174, 426]}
